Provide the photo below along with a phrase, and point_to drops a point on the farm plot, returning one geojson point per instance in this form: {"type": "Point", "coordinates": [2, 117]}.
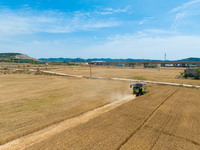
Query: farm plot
{"type": "Point", "coordinates": [29, 103]}
{"type": "Point", "coordinates": [162, 74]}
{"type": "Point", "coordinates": [167, 118]}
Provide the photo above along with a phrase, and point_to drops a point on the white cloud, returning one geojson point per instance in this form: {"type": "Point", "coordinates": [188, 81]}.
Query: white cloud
{"type": "Point", "coordinates": [145, 20]}
{"type": "Point", "coordinates": [100, 25]}
{"type": "Point", "coordinates": [186, 10]}
{"type": "Point", "coordinates": [147, 33]}
{"type": "Point", "coordinates": [178, 18]}
{"type": "Point", "coordinates": [25, 5]}
{"type": "Point", "coordinates": [27, 22]}
{"type": "Point", "coordinates": [140, 45]}
{"type": "Point", "coordinates": [186, 6]}
{"type": "Point", "coordinates": [111, 11]}
{"type": "Point", "coordinates": [159, 32]}
{"type": "Point", "coordinates": [134, 46]}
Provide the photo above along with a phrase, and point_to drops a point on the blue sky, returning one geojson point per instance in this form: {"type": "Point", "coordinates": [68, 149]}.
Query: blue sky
{"type": "Point", "coordinates": [100, 28]}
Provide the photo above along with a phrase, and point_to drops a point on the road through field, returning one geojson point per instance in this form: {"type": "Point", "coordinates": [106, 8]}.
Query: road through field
{"type": "Point", "coordinates": [117, 79]}
{"type": "Point", "coordinates": [46, 133]}
{"type": "Point", "coordinates": [159, 74]}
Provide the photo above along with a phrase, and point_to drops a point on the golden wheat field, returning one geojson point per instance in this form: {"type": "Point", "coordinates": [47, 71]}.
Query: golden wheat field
{"type": "Point", "coordinates": [168, 118]}
{"type": "Point", "coordinates": [161, 74]}
{"type": "Point", "coordinates": [29, 103]}
{"type": "Point", "coordinates": [52, 112]}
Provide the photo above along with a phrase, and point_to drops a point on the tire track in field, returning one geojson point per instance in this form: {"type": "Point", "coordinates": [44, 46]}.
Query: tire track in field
{"type": "Point", "coordinates": [146, 120]}
{"type": "Point", "coordinates": [38, 136]}
{"type": "Point", "coordinates": [161, 130]}
{"type": "Point", "coordinates": [176, 136]}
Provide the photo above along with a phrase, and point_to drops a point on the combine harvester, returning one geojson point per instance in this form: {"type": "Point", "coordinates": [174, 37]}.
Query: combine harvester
{"type": "Point", "coordinates": [139, 89]}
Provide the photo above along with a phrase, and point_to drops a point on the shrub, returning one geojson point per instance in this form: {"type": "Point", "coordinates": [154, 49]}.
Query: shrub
{"type": "Point", "coordinates": [5, 68]}
{"type": "Point", "coordinates": [186, 75]}
{"type": "Point", "coordinates": [197, 72]}
{"type": "Point", "coordinates": [151, 66]}
{"type": "Point", "coordinates": [193, 76]}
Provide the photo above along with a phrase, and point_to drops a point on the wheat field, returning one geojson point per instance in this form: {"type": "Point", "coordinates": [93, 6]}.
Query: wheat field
{"type": "Point", "coordinates": [161, 74]}
{"type": "Point", "coordinates": [29, 103]}
{"type": "Point", "coordinates": [168, 118]}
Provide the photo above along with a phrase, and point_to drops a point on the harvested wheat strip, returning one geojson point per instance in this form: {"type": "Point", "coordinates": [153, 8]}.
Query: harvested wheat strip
{"type": "Point", "coordinates": [28, 140]}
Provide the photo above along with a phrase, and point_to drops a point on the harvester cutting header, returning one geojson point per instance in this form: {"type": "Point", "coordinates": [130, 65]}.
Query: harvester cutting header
{"type": "Point", "coordinates": [139, 89]}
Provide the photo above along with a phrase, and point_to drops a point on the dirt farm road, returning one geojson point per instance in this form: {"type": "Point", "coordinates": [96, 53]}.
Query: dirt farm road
{"type": "Point", "coordinates": [117, 79]}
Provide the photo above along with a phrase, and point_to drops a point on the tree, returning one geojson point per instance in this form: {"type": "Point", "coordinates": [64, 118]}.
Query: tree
{"type": "Point", "coordinates": [197, 72]}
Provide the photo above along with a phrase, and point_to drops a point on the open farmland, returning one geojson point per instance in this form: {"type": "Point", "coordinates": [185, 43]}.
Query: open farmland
{"type": "Point", "coordinates": [168, 118]}
{"type": "Point", "coordinates": [29, 103]}
{"type": "Point", "coordinates": [52, 112]}
{"type": "Point", "coordinates": [162, 74]}
{"type": "Point", "coordinates": [99, 75]}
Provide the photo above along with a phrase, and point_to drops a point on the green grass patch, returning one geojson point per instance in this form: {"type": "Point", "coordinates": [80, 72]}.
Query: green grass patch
{"type": "Point", "coordinates": [138, 78]}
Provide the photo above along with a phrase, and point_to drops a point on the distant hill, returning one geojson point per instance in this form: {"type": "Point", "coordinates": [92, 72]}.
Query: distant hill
{"type": "Point", "coordinates": [121, 60]}
{"type": "Point", "coordinates": [15, 56]}
{"type": "Point", "coordinates": [19, 56]}
{"type": "Point", "coordinates": [109, 60]}
{"type": "Point", "coordinates": [64, 59]}
{"type": "Point", "coordinates": [190, 59]}
{"type": "Point", "coordinates": [95, 59]}
{"type": "Point", "coordinates": [8, 55]}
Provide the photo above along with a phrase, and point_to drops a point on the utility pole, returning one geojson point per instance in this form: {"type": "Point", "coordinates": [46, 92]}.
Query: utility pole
{"type": "Point", "coordinates": [2, 64]}
{"type": "Point", "coordinates": [90, 71]}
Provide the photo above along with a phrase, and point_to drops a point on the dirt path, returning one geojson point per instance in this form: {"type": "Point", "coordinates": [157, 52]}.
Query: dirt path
{"type": "Point", "coordinates": [48, 132]}
{"type": "Point", "coordinates": [118, 79]}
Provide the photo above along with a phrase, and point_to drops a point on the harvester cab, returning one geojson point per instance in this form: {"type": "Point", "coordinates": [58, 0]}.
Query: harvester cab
{"type": "Point", "coordinates": [139, 89]}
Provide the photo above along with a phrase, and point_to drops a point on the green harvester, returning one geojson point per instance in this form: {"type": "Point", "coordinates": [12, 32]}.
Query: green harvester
{"type": "Point", "coordinates": [139, 88]}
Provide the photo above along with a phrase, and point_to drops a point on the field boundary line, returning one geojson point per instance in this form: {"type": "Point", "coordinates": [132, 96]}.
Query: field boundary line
{"type": "Point", "coordinates": [40, 135]}
{"type": "Point", "coordinates": [146, 120]}
{"type": "Point", "coordinates": [115, 79]}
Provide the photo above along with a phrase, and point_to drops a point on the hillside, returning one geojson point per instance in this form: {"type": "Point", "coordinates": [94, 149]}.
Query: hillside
{"type": "Point", "coordinates": [95, 59]}
{"type": "Point", "coordinates": [9, 56]}
{"type": "Point", "coordinates": [110, 59]}
{"type": "Point", "coordinates": [190, 59]}
{"type": "Point", "coordinates": [19, 56]}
